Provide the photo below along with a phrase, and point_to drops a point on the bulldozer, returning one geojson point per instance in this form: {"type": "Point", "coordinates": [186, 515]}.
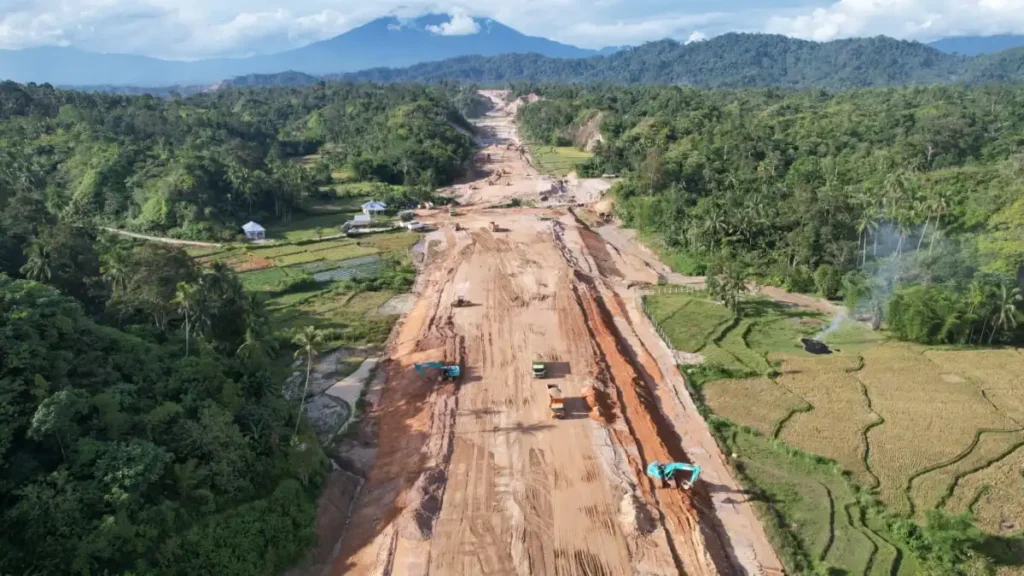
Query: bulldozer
{"type": "Point", "coordinates": [460, 302]}
{"type": "Point", "coordinates": [448, 371]}
{"type": "Point", "coordinates": [667, 472]}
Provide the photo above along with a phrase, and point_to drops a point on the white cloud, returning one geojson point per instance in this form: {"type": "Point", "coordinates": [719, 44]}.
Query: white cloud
{"type": "Point", "coordinates": [618, 33]}
{"type": "Point", "coordinates": [202, 28]}
{"type": "Point", "coordinates": [911, 19]}
{"type": "Point", "coordinates": [461, 24]}
{"type": "Point", "coordinates": [696, 36]}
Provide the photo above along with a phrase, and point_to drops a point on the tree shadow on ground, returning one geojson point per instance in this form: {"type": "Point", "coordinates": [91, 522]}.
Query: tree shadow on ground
{"type": "Point", "coordinates": [1005, 551]}
{"type": "Point", "coordinates": [763, 308]}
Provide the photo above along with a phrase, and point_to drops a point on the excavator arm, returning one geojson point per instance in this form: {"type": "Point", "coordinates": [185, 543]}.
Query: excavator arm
{"type": "Point", "coordinates": [668, 471]}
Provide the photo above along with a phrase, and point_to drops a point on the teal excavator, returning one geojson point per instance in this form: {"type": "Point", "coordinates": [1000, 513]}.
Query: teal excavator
{"type": "Point", "coordinates": [668, 471]}
{"type": "Point", "coordinates": [448, 372]}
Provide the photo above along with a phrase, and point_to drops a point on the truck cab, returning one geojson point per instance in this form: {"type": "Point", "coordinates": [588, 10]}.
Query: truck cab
{"type": "Point", "coordinates": [540, 370]}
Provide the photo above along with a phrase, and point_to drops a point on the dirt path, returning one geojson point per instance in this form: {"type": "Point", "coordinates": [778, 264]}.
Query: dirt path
{"type": "Point", "coordinates": [475, 477]}
{"type": "Point", "coordinates": [160, 239]}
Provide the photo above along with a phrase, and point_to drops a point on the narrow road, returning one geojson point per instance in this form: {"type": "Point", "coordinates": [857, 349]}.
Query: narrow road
{"type": "Point", "coordinates": [160, 239]}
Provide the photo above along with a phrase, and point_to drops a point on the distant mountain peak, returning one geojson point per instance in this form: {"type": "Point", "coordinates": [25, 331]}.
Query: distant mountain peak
{"type": "Point", "coordinates": [390, 41]}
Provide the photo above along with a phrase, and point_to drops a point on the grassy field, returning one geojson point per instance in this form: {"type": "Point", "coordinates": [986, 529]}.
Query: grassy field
{"type": "Point", "coordinates": [558, 160]}
{"type": "Point", "coordinates": [915, 428]}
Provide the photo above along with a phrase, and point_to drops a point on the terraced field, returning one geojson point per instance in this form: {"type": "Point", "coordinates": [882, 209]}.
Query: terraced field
{"type": "Point", "coordinates": [920, 428]}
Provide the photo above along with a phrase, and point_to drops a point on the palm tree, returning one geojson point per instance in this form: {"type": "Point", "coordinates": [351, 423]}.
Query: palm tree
{"type": "Point", "coordinates": [186, 296]}
{"type": "Point", "coordinates": [308, 341]}
{"type": "Point", "coordinates": [1006, 311]}
{"type": "Point", "coordinates": [977, 295]}
{"type": "Point", "coordinates": [867, 224]}
{"type": "Point", "coordinates": [116, 270]}
{"type": "Point", "coordinates": [939, 205]}
{"type": "Point", "coordinates": [38, 266]}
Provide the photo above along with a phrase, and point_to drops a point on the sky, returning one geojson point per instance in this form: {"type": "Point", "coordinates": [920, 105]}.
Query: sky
{"type": "Point", "coordinates": [191, 29]}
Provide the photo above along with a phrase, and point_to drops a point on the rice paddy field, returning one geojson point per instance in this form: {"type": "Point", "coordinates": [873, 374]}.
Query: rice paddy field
{"type": "Point", "coordinates": [303, 278]}
{"type": "Point", "coordinates": [911, 428]}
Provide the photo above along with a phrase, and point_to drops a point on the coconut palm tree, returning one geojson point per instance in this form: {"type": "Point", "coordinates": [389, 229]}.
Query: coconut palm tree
{"type": "Point", "coordinates": [977, 295]}
{"type": "Point", "coordinates": [186, 296]}
{"type": "Point", "coordinates": [1006, 310]}
{"type": "Point", "coordinates": [867, 224]}
{"type": "Point", "coordinates": [38, 266]}
{"type": "Point", "coordinates": [309, 342]}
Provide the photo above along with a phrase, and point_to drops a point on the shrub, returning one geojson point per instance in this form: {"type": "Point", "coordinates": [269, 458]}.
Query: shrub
{"type": "Point", "coordinates": [827, 281]}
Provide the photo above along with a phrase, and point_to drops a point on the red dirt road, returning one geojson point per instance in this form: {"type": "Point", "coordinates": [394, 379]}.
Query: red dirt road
{"type": "Point", "coordinates": [475, 477]}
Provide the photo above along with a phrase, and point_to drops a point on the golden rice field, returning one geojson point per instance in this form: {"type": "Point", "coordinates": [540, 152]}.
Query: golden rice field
{"type": "Point", "coordinates": [840, 413]}
{"type": "Point", "coordinates": [928, 419]}
{"type": "Point", "coordinates": [933, 489]}
{"type": "Point", "coordinates": [1000, 373]}
{"type": "Point", "coordinates": [925, 427]}
{"type": "Point", "coordinates": [732, 399]}
{"type": "Point", "coordinates": [994, 495]}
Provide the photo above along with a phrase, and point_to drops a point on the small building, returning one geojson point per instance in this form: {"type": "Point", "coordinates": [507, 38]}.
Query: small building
{"type": "Point", "coordinates": [374, 207]}
{"type": "Point", "coordinates": [357, 221]}
{"type": "Point", "coordinates": [254, 231]}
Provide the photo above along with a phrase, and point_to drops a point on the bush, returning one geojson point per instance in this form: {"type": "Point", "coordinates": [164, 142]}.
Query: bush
{"type": "Point", "coordinates": [261, 537]}
{"type": "Point", "coordinates": [828, 281]}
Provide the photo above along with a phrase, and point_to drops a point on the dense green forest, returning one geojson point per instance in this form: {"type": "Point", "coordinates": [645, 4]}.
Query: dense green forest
{"type": "Point", "coordinates": [729, 61]}
{"type": "Point", "coordinates": [907, 202]}
{"type": "Point", "coordinates": [198, 167]}
{"type": "Point", "coordinates": [144, 425]}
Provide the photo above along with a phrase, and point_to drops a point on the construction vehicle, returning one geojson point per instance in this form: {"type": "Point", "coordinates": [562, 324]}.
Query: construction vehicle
{"type": "Point", "coordinates": [666, 472]}
{"type": "Point", "coordinates": [460, 302]}
{"type": "Point", "coordinates": [493, 226]}
{"type": "Point", "coordinates": [555, 401]}
{"type": "Point", "coordinates": [540, 369]}
{"type": "Point", "coordinates": [448, 371]}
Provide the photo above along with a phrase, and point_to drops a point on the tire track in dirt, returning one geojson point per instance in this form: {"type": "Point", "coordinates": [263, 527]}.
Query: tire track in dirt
{"type": "Point", "coordinates": [649, 434]}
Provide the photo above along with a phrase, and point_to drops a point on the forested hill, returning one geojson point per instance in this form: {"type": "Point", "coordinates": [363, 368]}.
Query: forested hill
{"type": "Point", "coordinates": [731, 61]}
{"type": "Point", "coordinates": [909, 198]}
{"type": "Point", "coordinates": [200, 167]}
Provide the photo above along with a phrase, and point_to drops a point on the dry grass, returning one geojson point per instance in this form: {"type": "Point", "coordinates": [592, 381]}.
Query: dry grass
{"type": "Point", "coordinates": [928, 420]}
{"type": "Point", "coordinates": [930, 490]}
{"type": "Point", "coordinates": [731, 399]}
{"type": "Point", "coordinates": [1000, 373]}
{"type": "Point", "coordinates": [834, 427]}
{"type": "Point", "coordinates": [994, 495]}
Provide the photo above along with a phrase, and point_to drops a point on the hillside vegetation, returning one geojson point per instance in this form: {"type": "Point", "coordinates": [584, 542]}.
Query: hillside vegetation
{"type": "Point", "coordinates": [730, 61]}
{"type": "Point", "coordinates": [906, 202]}
{"type": "Point", "coordinates": [202, 166]}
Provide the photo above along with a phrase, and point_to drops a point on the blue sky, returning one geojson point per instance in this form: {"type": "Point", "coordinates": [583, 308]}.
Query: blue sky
{"type": "Point", "coordinates": [189, 29]}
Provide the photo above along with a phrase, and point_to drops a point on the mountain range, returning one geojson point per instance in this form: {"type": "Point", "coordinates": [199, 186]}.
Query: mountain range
{"type": "Point", "coordinates": [730, 61]}
{"type": "Point", "coordinates": [431, 48]}
{"type": "Point", "coordinates": [387, 42]}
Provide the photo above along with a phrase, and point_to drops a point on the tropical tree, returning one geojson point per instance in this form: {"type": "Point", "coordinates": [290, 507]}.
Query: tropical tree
{"type": "Point", "coordinates": [38, 266]}
{"type": "Point", "coordinates": [309, 342]}
{"type": "Point", "coordinates": [186, 297]}
{"type": "Point", "coordinates": [867, 224]}
{"type": "Point", "coordinates": [1005, 317]}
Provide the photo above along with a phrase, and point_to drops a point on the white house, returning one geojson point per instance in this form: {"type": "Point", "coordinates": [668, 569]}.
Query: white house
{"type": "Point", "coordinates": [373, 207]}
{"type": "Point", "coordinates": [254, 231]}
{"type": "Point", "coordinates": [361, 220]}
